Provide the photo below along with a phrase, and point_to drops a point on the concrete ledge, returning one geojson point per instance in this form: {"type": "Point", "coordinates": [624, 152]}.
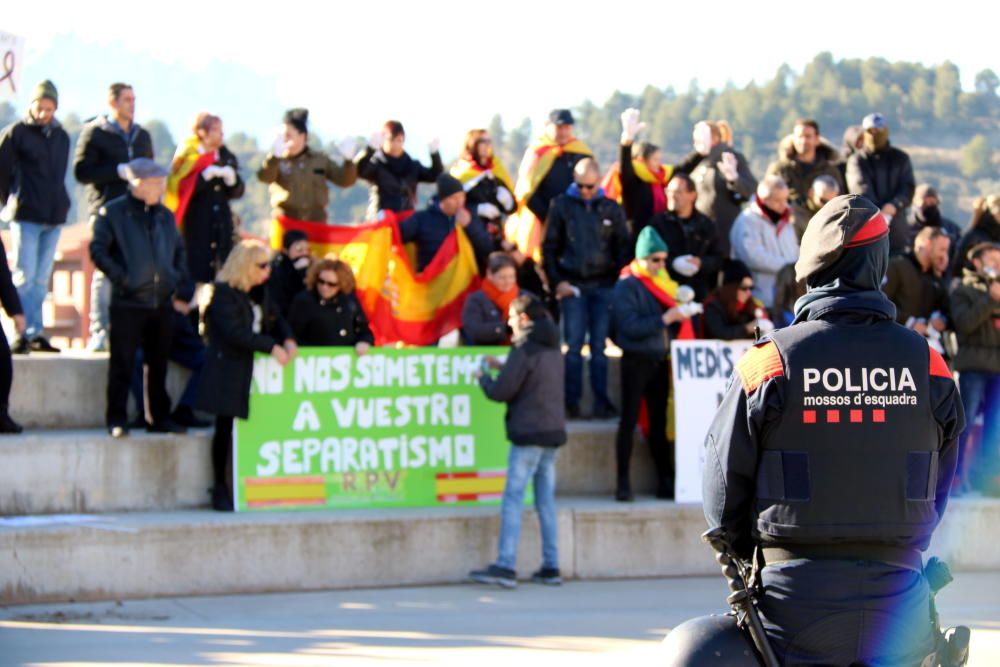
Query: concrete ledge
{"type": "Point", "coordinates": [51, 472]}
{"type": "Point", "coordinates": [203, 553]}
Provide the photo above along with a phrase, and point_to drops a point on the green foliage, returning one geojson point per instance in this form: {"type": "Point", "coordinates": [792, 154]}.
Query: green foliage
{"type": "Point", "coordinates": [977, 158]}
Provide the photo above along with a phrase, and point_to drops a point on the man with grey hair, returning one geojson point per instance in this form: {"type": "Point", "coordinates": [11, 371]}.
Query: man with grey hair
{"type": "Point", "coordinates": [823, 189]}
{"type": "Point", "coordinates": [587, 243]}
{"type": "Point", "coordinates": [137, 246]}
{"type": "Point", "coordinates": [764, 238]}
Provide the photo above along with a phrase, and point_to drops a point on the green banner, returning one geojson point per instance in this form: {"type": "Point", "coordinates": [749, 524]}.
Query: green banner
{"type": "Point", "coordinates": [393, 428]}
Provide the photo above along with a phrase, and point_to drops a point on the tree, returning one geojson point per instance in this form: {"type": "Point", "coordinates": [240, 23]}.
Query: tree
{"type": "Point", "coordinates": [987, 82]}
{"type": "Point", "coordinates": [976, 159]}
{"type": "Point", "coordinates": [947, 87]}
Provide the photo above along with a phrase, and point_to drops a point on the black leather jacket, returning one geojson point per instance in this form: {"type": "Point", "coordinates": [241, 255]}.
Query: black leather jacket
{"type": "Point", "coordinates": [140, 251]}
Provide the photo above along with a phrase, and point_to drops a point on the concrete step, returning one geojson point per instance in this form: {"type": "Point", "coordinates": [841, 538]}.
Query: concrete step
{"type": "Point", "coordinates": [141, 555]}
{"type": "Point", "coordinates": [48, 472]}
{"type": "Point", "coordinates": [68, 390]}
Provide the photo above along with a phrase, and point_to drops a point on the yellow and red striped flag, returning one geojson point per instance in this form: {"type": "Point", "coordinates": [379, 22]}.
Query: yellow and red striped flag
{"type": "Point", "coordinates": [187, 165]}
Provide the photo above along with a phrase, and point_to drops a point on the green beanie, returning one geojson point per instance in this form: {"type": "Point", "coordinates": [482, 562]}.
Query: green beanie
{"type": "Point", "coordinates": [46, 89]}
{"type": "Point", "coordinates": [649, 241]}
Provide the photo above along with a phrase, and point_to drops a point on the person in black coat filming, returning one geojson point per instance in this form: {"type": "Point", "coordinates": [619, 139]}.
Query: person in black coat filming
{"type": "Point", "coordinates": [328, 313]}
{"type": "Point", "coordinates": [240, 319]}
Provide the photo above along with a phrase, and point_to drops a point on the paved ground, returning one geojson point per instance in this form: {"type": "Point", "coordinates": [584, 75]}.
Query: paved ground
{"type": "Point", "coordinates": [581, 623]}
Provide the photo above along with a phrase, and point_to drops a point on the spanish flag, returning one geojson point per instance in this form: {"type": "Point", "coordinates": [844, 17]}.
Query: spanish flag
{"type": "Point", "coordinates": [285, 491]}
{"type": "Point", "coordinates": [663, 288]}
{"type": "Point", "coordinates": [458, 487]}
{"type": "Point", "coordinates": [612, 182]}
{"type": "Point", "coordinates": [468, 170]}
{"type": "Point", "coordinates": [523, 228]}
{"type": "Point", "coordinates": [187, 165]}
{"type": "Point", "coordinates": [402, 306]}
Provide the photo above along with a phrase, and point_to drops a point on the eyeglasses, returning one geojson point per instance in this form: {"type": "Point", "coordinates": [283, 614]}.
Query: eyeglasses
{"type": "Point", "coordinates": [659, 259]}
{"type": "Point", "coordinates": [264, 265]}
{"type": "Point", "coordinates": [586, 186]}
{"type": "Point", "coordinates": [746, 288]}
{"type": "Point", "coordinates": [326, 283]}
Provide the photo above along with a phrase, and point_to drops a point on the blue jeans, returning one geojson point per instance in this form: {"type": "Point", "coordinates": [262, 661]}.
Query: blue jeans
{"type": "Point", "coordinates": [981, 394]}
{"type": "Point", "coordinates": [34, 252]}
{"type": "Point", "coordinates": [529, 463]}
{"type": "Point", "coordinates": [586, 316]}
{"type": "Point", "coordinates": [100, 306]}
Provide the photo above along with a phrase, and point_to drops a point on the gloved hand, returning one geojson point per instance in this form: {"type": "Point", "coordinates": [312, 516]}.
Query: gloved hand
{"type": "Point", "coordinates": [123, 171]}
{"type": "Point", "coordinates": [684, 266]}
{"type": "Point", "coordinates": [487, 211]}
{"type": "Point", "coordinates": [376, 139]}
{"type": "Point", "coordinates": [728, 166]}
{"type": "Point", "coordinates": [690, 309]}
{"type": "Point", "coordinates": [228, 175]}
{"type": "Point", "coordinates": [210, 172]}
{"type": "Point", "coordinates": [279, 147]}
{"type": "Point", "coordinates": [348, 147]}
{"type": "Point", "coordinates": [505, 198]}
{"type": "Point", "coordinates": [433, 145]}
{"type": "Point", "coordinates": [631, 126]}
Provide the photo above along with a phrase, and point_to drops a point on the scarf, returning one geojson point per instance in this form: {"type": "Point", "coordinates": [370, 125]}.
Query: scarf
{"type": "Point", "coordinates": [664, 290]}
{"type": "Point", "coordinates": [501, 300]}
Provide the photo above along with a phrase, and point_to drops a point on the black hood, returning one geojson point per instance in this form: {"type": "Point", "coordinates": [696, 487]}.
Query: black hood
{"type": "Point", "coordinates": [542, 332]}
{"type": "Point", "coordinates": [844, 258]}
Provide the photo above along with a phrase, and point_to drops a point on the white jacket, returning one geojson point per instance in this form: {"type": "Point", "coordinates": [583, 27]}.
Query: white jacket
{"type": "Point", "coordinates": [765, 247]}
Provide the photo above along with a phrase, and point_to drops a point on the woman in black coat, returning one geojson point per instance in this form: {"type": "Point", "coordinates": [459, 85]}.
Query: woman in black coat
{"type": "Point", "coordinates": [239, 321]}
{"type": "Point", "coordinates": [327, 313]}
{"type": "Point", "coordinates": [393, 174]}
{"type": "Point", "coordinates": [208, 222]}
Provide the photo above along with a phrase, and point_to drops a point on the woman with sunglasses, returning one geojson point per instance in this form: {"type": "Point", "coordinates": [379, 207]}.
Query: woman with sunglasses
{"type": "Point", "coordinates": [731, 311]}
{"type": "Point", "coordinates": [239, 320]}
{"type": "Point", "coordinates": [327, 313]}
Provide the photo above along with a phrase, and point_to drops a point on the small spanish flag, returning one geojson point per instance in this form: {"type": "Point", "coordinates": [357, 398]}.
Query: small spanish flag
{"type": "Point", "coordinates": [285, 491]}
{"type": "Point", "coordinates": [463, 487]}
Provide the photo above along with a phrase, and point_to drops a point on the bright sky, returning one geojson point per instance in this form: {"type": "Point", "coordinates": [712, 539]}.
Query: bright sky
{"type": "Point", "coordinates": [442, 67]}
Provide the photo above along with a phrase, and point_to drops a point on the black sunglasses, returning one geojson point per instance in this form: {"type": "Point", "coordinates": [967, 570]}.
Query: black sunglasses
{"type": "Point", "coordinates": [320, 281]}
{"type": "Point", "coordinates": [586, 186]}
{"type": "Point", "coordinates": [656, 260]}
{"type": "Point", "coordinates": [746, 288]}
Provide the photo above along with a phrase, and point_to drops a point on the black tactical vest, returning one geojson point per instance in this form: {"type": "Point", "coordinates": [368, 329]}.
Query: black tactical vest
{"type": "Point", "coordinates": [853, 456]}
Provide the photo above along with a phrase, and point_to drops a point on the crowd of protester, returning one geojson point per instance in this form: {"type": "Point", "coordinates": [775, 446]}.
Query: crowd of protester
{"type": "Point", "coordinates": [640, 253]}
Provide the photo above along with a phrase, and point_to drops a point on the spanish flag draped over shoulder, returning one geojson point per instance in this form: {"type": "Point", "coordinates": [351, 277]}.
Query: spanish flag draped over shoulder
{"type": "Point", "coordinates": [612, 182]}
{"type": "Point", "coordinates": [402, 306]}
{"type": "Point", "coordinates": [663, 288]}
{"type": "Point", "coordinates": [187, 165]}
{"type": "Point", "coordinates": [523, 228]}
{"type": "Point", "coordinates": [467, 170]}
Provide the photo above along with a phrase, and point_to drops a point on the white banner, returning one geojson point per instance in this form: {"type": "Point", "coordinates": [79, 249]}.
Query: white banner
{"type": "Point", "coordinates": [11, 64]}
{"type": "Point", "coordinates": [701, 370]}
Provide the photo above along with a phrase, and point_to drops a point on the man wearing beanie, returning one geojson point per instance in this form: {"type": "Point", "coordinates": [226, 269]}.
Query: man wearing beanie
{"type": "Point", "coordinates": [430, 227]}
{"type": "Point", "coordinates": [883, 174]}
{"type": "Point", "coordinates": [288, 270]}
{"type": "Point", "coordinates": [832, 454]}
{"type": "Point", "coordinates": [34, 154]}
{"type": "Point", "coordinates": [643, 311]}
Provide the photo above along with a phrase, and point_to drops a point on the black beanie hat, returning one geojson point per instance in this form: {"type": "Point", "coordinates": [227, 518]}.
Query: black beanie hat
{"type": "Point", "coordinates": [845, 222]}
{"type": "Point", "coordinates": [734, 271]}
{"type": "Point", "coordinates": [298, 118]}
{"type": "Point", "coordinates": [292, 236]}
{"type": "Point", "coordinates": [447, 185]}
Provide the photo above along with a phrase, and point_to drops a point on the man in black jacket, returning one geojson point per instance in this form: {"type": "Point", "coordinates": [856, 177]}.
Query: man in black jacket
{"type": "Point", "coordinates": [693, 238]}
{"type": "Point", "coordinates": [586, 245]}
{"type": "Point", "coordinates": [34, 153]}
{"type": "Point", "coordinates": [530, 383]}
{"type": "Point", "coordinates": [915, 285]}
{"type": "Point", "coordinates": [106, 144]}
{"type": "Point", "coordinates": [137, 246]}
{"type": "Point", "coordinates": [883, 174]}
{"type": "Point", "coordinates": [831, 457]}
{"type": "Point", "coordinates": [430, 227]}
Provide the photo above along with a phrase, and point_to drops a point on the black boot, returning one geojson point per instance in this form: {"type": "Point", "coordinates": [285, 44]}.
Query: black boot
{"type": "Point", "coordinates": [222, 499]}
{"type": "Point", "coordinates": [8, 425]}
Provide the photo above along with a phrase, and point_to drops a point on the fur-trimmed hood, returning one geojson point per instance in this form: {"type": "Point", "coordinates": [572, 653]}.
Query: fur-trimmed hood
{"type": "Point", "coordinates": [824, 151]}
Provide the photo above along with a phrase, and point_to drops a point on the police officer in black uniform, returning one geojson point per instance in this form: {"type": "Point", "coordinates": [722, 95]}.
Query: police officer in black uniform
{"type": "Point", "coordinates": [829, 462]}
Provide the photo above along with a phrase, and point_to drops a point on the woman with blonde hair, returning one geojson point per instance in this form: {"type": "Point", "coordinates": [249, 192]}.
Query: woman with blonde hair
{"type": "Point", "coordinates": [239, 320]}
{"type": "Point", "coordinates": [327, 312]}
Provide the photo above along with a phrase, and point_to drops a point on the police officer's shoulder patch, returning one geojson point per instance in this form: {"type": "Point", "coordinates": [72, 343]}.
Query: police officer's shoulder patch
{"type": "Point", "coordinates": [760, 363]}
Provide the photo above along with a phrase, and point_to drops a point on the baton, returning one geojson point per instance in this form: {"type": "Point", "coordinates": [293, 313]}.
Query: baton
{"type": "Point", "coordinates": [741, 599]}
